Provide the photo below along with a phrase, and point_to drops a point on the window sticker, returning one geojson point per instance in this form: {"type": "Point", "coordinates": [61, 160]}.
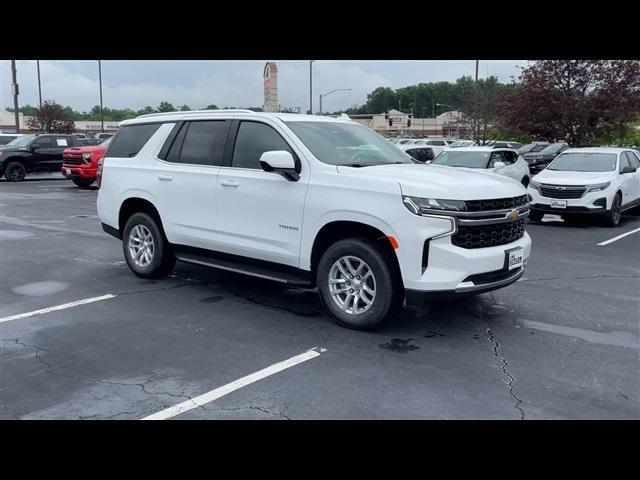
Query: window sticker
{"type": "Point", "coordinates": [62, 142]}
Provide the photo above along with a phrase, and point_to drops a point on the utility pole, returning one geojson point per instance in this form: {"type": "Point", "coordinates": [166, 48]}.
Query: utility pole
{"type": "Point", "coordinates": [476, 113]}
{"type": "Point", "coordinates": [14, 88]}
{"type": "Point", "coordinates": [311, 87]}
{"type": "Point", "coordinates": [100, 81]}
{"type": "Point", "coordinates": [39, 85]}
{"type": "Point", "coordinates": [433, 106]}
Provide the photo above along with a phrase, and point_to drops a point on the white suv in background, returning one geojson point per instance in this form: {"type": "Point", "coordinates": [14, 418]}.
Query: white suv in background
{"type": "Point", "coordinates": [601, 181]}
{"type": "Point", "coordinates": [502, 161]}
{"type": "Point", "coordinates": [308, 201]}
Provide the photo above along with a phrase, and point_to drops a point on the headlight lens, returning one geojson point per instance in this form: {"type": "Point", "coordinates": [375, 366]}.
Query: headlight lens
{"type": "Point", "coordinates": [598, 187]}
{"type": "Point", "coordinates": [534, 185]}
{"type": "Point", "coordinates": [86, 157]}
{"type": "Point", "coordinates": [419, 205]}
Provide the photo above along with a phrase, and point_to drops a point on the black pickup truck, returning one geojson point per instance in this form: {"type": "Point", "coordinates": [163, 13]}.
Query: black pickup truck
{"type": "Point", "coordinates": [34, 153]}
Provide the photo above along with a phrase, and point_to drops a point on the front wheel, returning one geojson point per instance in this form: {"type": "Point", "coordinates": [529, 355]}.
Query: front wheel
{"type": "Point", "coordinates": [82, 182]}
{"type": "Point", "coordinates": [612, 216]}
{"type": "Point", "coordinates": [146, 250]}
{"type": "Point", "coordinates": [357, 284]}
{"type": "Point", "coordinates": [15, 172]}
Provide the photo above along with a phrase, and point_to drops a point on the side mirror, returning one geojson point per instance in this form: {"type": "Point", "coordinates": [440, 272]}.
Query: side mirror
{"type": "Point", "coordinates": [280, 162]}
{"type": "Point", "coordinates": [629, 170]}
{"type": "Point", "coordinates": [498, 165]}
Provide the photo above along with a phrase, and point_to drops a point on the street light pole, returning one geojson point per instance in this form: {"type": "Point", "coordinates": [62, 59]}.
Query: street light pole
{"type": "Point", "coordinates": [14, 87]}
{"type": "Point", "coordinates": [329, 93]}
{"type": "Point", "coordinates": [311, 87]}
{"type": "Point", "coordinates": [101, 111]}
{"type": "Point", "coordinates": [39, 85]}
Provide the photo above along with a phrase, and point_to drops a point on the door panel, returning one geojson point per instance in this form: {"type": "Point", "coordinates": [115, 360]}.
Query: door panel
{"type": "Point", "coordinates": [260, 213]}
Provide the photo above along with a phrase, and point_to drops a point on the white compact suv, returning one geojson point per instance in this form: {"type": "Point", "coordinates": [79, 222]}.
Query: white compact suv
{"type": "Point", "coordinates": [600, 181]}
{"type": "Point", "coordinates": [503, 161]}
{"type": "Point", "coordinates": [308, 201]}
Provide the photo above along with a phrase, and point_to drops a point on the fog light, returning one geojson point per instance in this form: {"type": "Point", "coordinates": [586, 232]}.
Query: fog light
{"type": "Point", "coordinates": [601, 202]}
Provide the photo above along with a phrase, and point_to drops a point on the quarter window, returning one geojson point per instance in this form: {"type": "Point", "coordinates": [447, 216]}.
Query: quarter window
{"type": "Point", "coordinates": [252, 141]}
{"type": "Point", "coordinates": [130, 140]}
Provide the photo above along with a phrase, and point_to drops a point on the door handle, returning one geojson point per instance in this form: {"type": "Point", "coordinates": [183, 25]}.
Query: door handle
{"type": "Point", "coordinates": [229, 183]}
{"type": "Point", "coordinates": [166, 178]}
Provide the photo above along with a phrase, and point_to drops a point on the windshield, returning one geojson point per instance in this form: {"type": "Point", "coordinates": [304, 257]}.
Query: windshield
{"type": "Point", "coordinates": [553, 148]}
{"type": "Point", "coordinates": [106, 142]}
{"type": "Point", "coordinates": [584, 162]}
{"type": "Point", "coordinates": [452, 158]}
{"type": "Point", "coordinates": [461, 143]}
{"type": "Point", "coordinates": [21, 141]}
{"type": "Point", "coordinates": [347, 144]}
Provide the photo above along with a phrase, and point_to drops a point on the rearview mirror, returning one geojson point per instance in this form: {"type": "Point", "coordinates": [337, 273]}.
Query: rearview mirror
{"type": "Point", "coordinates": [281, 162]}
{"type": "Point", "coordinates": [629, 170]}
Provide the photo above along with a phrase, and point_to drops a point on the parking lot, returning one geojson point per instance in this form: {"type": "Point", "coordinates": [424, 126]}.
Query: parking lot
{"type": "Point", "coordinates": [561, 343]}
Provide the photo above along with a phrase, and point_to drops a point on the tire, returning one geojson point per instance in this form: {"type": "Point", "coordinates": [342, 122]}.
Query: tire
{"type": "Point", "coordinates": [15, 172]}
{"type": "Point", "coordinates": [535, 215]}
{"type": "Point", "coordinates": [525, 182]}
{"type": "Point", "coordinates": [159, 259]}
{"type": "Point", "coordinates": [612, 216]}
{"type": "Point", "coordinates": [381, 277]}
{"type": "Point", "coordinates": [82, 182]}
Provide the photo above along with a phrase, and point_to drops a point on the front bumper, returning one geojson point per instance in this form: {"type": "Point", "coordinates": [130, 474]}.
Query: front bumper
{"type": "Point", "coordinates": [589, 203]}
{"type": "Point", "coordinates": [75, 171]}
{"type": "Point", "coordinates": [473, 285]}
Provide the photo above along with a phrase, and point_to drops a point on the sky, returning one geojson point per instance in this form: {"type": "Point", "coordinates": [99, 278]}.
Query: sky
{"type": "Point", "coordinates": [136, 84]}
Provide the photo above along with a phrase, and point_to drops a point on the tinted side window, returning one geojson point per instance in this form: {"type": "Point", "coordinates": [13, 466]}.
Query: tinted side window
{"type": "Point", "coordinates": [62, 142]}
{"type": "Point", "coordinates": [633, 159]}
{"type": "Point", "coordinates": [130, 140]}
{"type": "Point", "coordinates": [624, 162]}
{"type": "Point", "coordinates": [43, 142]}
{"type": "Point", "coordinates": [252, 141]}
{"type": "Point", "coordinates": [204, 143]}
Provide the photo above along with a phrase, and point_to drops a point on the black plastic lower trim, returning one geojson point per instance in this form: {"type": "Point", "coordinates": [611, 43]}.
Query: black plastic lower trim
{"type": "Point", "coordinates": [538, 207]}
{"type": "Point", "coordinates": [114, 232]}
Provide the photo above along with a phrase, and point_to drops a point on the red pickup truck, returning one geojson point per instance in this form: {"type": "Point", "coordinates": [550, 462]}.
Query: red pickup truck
{"type": "Point", "coordinates": [80, 164]}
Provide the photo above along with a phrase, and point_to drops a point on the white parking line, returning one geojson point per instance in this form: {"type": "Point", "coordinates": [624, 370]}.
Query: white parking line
{"type": "Point", "coordinates": [607, 242]}
{"type": "Point", "coordinates": [57, 307]}
{"type": "Point", "coordinates": [233, 386]}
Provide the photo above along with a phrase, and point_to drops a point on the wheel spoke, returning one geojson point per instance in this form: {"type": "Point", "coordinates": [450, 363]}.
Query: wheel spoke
{"type": "Point", "coordinates": [347, 262]}
{"type": "Point", "coordinates": [337, 280]}
{"type": "Point", "coordinates": [342, 270]}
{"type": "Point", "coordinates": [365, 300]}
{"type": "Point", "coordinates": [338, 292]}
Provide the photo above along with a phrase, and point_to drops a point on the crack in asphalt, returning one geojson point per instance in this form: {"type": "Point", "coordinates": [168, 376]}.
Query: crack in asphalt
{"type": "Point", "coordinates": [49, 369]}
{"type": "Point", "coordinates": [264, 410]}
{"type": "Point", "coordinates": [589, 277]}
{"type": "Point", "coordinates": [504, 364]}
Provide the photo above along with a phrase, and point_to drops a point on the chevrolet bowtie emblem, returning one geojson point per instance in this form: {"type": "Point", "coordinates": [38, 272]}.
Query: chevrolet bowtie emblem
{"type": "Point", "coordinates": [512, 215]}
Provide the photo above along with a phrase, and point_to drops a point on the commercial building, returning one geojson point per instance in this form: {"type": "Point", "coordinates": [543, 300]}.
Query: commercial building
{"type": "Point", "coordinates": [395, 123]}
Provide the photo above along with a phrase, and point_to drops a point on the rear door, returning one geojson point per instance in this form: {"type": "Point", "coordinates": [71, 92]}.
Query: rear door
{"type": "Point", "coordinates": [260, 213]}
{"type": "Point", "coordinates": [42, 154]}
{"type": "Point", "coordinates": [185, 181]}
{"type": "Point", "coordinates": [630, 181]}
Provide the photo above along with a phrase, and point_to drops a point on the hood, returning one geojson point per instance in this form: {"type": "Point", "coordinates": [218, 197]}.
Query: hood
{"type": "Point", "coordinates": [81, 150]}
{"type": "Point", "coordinates": [560, 177]}
{"type": "Point", "coordinates": [437, 181]}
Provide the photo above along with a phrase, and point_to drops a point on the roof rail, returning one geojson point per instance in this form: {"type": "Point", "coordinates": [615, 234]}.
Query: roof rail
{"type": "Point", "coordinates": [192, 112]}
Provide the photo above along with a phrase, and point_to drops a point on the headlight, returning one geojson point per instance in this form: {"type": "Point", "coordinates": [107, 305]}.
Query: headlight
{"type": "Point", "coordinates": [421, 206]}
{"type": "Point", "coordinates": [598, 187]}
{"type": "Point", "coordinates": [86, 157]}
{"type": "Point", "coordinates": [534, 185]}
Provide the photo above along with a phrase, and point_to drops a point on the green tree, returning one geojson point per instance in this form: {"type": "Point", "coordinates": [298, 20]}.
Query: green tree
{"type": "Point", "coordinates": [50, 119]}
{"type": "Point", "coordinates": [211, 107]}
{"type": "Point", "coordinates": [166, 107]}
{"type": "Point", "coordinates": [184, 108]}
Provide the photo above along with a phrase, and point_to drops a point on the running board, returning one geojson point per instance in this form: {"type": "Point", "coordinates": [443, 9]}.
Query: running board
{"type": "Point", "coordinates": [254, 271]}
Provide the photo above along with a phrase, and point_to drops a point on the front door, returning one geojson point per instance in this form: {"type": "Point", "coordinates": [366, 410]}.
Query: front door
{"type": "Point", "coordinates": [260, 213]}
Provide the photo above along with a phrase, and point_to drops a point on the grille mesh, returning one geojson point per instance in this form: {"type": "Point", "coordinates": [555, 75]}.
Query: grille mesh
{"type": "Point", "coordinates": [481, 236]}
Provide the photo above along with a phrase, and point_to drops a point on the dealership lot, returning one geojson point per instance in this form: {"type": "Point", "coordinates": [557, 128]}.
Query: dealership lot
{"type": "Point", "coordinates": [562, 343]}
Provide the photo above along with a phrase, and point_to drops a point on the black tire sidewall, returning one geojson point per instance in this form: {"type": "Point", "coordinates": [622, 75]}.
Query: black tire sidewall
{"type": "Point", "coordinates": [13, 165]}
{"type": "Point", "coordinates": [385, 285]}
{"type": "Point", "coordinates": [158, 265]}
{"type": "Point", "coordinates": [610, 216]}
{"type": "Point", "coordinates": [82, 183]}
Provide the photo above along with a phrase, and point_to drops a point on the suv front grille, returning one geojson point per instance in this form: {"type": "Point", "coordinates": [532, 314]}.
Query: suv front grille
{"type": "Point", "coordinates": [480, 236]}
{"type": "Point", "coordinates": [495, 203]}
{"type": "Point", "coordinates": [72, 161]}
{"type": "Point", "coordinates": [562, 191]}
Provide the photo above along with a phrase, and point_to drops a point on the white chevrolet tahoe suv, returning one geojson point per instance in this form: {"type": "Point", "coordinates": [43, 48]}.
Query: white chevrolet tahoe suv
{"type": "Point", "coordinates": [308, 201]}
{"type": "Point", "coordinates": [597, 181]}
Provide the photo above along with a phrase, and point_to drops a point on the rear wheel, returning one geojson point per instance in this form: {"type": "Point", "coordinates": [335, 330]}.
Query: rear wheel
{"type": "Point", "coordinates": [15, 172]}
{"type": "Point", "coordinates": [82, 182]}
{"type": "Point", "coordinates": [146, 250]}
{"type": "Point", "coordinates": [612, 216]}
{"type": "Point", "coordinates": [357, 283]}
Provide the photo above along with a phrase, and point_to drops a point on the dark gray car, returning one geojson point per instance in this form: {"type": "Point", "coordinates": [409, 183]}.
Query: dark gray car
{"type": "Point", "coordinates": [538, 161]}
